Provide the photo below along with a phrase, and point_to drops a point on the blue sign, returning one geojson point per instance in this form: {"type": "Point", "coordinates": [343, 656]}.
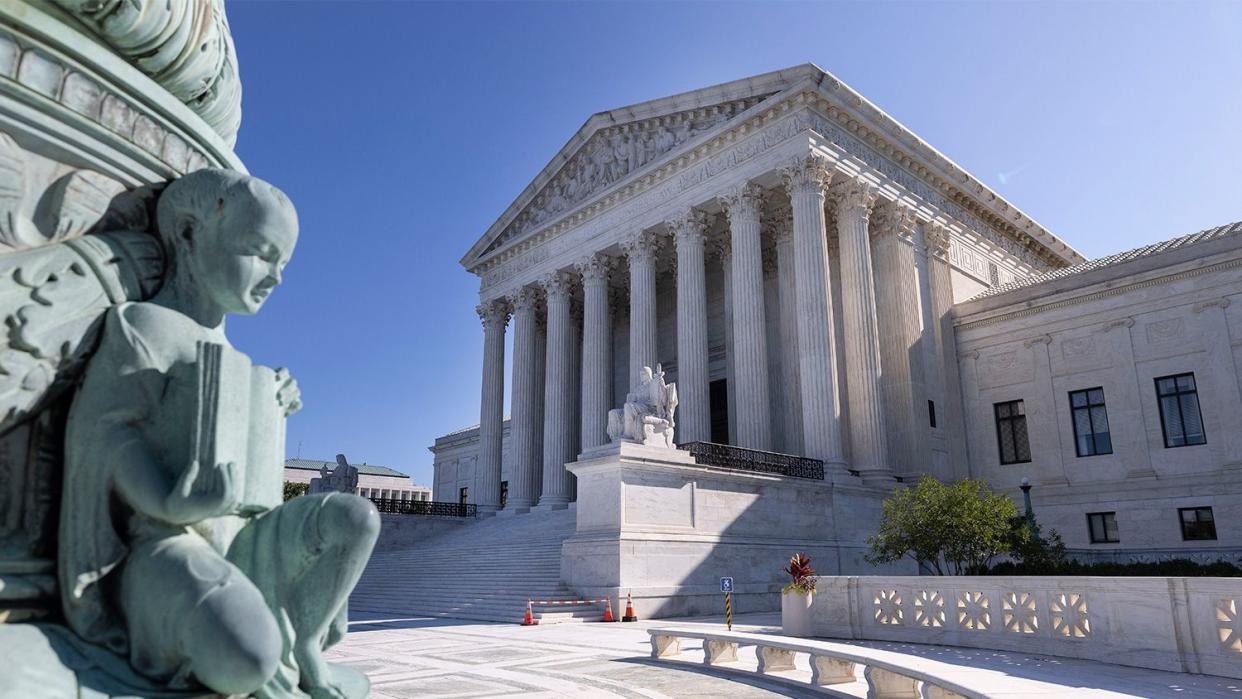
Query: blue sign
{"type": "Point", "coordinates": [726, 584]}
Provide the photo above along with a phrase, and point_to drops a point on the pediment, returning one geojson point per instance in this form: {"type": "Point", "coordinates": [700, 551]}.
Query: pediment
{"type": "Point", "coordinates": [615, 146]}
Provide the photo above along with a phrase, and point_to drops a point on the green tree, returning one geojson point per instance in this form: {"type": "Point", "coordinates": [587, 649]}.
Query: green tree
{"type": "Point", "coordinates": [293, 490]}
{"type": "Point", "coordinates": [953, 529]}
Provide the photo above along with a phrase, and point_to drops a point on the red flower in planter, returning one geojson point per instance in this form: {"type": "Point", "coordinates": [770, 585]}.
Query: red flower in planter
{"type": "Point", "coordinates": [802, 574]}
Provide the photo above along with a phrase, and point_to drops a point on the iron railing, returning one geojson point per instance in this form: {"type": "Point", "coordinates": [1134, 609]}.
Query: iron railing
{"type": "Point", "coordinates": [726, 456]}
{"type": "Point", "coordinates": [425, 508]}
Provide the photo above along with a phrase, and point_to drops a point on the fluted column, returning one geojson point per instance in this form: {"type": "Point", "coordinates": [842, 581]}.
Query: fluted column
{"type": "Point", "coordinates": [724, 253]}
{"type": "Point", "coordinates": [486, 490]}
{"type": "Point", "coordinates": [786, 281]}
{"type": "Point", "coordinates": [868, 451]}
{"type": "Point", "coordinates": [899, 320]}
{"type": "Point", "coordinates": [754, 423]}
{"type": "Point", "coordinates": [558, 447]}
{"type": "Point", "coordinates": [640, 251]}
{"type": "Point", "coordinates": [694, 419]}
{"type": "Point", "coordinates": [940, 282]}
{"type": "Point", "coordinates": [807, 179]}
{"type": "Point", "coordinates": [596, 350]}
{"type": "Point", "coordinates": [523, 403]}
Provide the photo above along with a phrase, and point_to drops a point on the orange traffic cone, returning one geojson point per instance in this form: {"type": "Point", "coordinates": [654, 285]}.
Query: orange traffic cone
{"type": "Point", "coordinates": [529, 619]}
{"type": "Point", "coordinates": [608, 610]}
{"type": "Point", "coordinates": [629, 608]}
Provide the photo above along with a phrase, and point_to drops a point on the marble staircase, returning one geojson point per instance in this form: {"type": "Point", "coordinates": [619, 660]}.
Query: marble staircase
{"type": "Point", "coordinates": [485, 570]}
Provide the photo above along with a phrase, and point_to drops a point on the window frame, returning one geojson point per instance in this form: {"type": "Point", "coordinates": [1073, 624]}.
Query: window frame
{"type": "Point", "coordinates": [1095, 448]}
{"type": "Point", "coordinates": [1178, 393]}
{"type": "Point", "coordinates": [1104, 526]}
{"type": "Point", "coordinates": [1182, 522]}
{"type": "Point", "coordinates": [931, 413]}
{"type": "Point", "coordinates": [1009, 420]}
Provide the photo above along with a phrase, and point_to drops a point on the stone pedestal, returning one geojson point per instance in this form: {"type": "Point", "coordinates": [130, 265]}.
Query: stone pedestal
{"type": "Point", "coordinates": [653, 522]}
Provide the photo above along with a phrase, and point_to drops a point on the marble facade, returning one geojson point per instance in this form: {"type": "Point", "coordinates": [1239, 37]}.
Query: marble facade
{"type": "Point", "coordinates": [800, 264]}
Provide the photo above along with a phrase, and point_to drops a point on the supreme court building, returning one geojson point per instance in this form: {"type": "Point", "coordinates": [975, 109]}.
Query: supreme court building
{"type": "Point", "coordinates": [820, 282]}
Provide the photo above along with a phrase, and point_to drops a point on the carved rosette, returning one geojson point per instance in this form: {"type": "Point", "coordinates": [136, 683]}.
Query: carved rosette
{"type": "Point", "coordinates": [596, 269]}
{"type": "Point", "coordinates": [493, 314]}
{"type": "Point", "coordinates": [937, 238]}
{"type": "Point", "coordinates": [853, 197]}
{"type": "Point", "coordinates": [893, 218]}
{"type": "Point", "coordinates": [743, 203]}
{"type": "Point", "coordinates": [809, 174]}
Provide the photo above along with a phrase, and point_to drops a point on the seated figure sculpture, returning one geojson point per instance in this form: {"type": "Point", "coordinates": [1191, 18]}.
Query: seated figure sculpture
{"type": "Point", "coordinates": [175, 548]}
{"type": "Point", "coordinates": [647, 417]}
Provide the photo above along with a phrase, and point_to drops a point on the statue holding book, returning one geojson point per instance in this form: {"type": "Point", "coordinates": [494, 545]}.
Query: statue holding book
{"type": "Point", "coordinates": [175, 550]}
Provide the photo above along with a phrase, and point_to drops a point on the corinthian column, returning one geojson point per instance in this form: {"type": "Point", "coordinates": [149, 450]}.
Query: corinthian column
{"type": "Point", "coordinates": [641, 250]}
{"type": "Point", "coordinates": [694, 420]}
{"type": "Point", "coordinates": [523, 402]}
{"type": "Point", "coordinates": [754, 424]}
{"type": "Point", "coordinates": [900, 327]}
{"type": "Point", "coordinates": [495, 316]}
{"type": "Point", "coordinates": [791, 390]}
{"type": "Point", "coordinates": [596, 350]}
{"type": "Point", "coordinates": [807, 179]}
{"type": "Point", "coordinates": [868, 450]}
{"type": "Point", "coordinates": [558, 446]}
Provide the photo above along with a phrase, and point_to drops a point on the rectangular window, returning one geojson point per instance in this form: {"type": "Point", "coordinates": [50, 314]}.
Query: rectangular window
{"type": "Point", "coordinates": [1103, 526]}
{"type": "Point", "coordinates": [462, 495]}
{"type": "Point", "coordinates": [1011, 438]}
{"type": "Point", "coordinates": [1090, 417]}
{"type": "Point", "coordinates": [1180, 418]}
{"type": "Point", "coordinates": [1197, 524]}
{"type": "Point", "coordinates": [931, 413]}
{"type": "Point", "coordinates": [504, 493]}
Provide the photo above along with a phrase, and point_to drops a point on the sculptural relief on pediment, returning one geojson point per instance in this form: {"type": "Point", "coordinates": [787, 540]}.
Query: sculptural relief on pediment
{"type": "Point", "coordinates": [611, 154]}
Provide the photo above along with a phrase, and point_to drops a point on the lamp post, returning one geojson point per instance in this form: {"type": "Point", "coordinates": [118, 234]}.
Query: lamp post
{"type": "Point", "coordinates": [1026, 497]}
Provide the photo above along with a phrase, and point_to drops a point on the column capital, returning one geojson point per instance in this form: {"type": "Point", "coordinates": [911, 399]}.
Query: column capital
{"type": "Point", "coordinates": [557, 285]}
{"type": "Point", "coordinates": [596, 269]}
{"type": "Point", "coordinates": [494, 314]}
{"type": "Point", "coordinates": [689, 227]}
{"type": "Point", "coordinates": [743, 202]}
{"type": "Point", "coordinates": [722, 247]}
{"type": "Point", "coordinates": [525, 299]}
{"type": "Point", "coordinates": [641, 247]}
{"type": "Point", "coordinates": [893, 218]}
{"type": "Point", "coordinates": [853, 195]}
{"type": "Point", "coordinates": [810, 173]}
{"type": "Point", "coordinates": [937, 239]}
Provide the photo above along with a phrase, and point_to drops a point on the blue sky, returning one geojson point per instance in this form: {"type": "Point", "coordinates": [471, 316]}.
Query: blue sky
{"type": "Point", "coordinates": [402, 130]}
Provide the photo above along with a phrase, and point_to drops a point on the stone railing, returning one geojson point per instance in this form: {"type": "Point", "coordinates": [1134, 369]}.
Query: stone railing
{"type": "Point", "coordinates": [887, 674]}
{"type": "Point", "coordinates": [1179, 624]}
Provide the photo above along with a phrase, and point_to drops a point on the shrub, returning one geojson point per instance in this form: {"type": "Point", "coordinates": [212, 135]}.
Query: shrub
{"type": "Point", "coordinates": [293, 490]}
{"type": "Point", "coordinates": [952, 529]}
{"type": "Point", "coordinates": [802, 574]}
{"type": "Point", "coordinates": [1172, 568]}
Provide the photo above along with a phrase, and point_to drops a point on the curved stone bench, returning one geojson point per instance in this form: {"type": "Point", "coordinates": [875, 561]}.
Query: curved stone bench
{"type": "Point", "coordinates": [889, 675]}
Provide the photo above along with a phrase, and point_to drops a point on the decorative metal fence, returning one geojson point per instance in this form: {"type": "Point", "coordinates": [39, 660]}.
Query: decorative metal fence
{"type": "Point", "coordinates": [425, 508]}
{"type": "Point", "coordinates": [725, 456]}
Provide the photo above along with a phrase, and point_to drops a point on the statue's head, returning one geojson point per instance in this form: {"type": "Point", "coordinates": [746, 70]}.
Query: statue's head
{"type": "Point", "coordinates": [229, 235]}
{"type": "Point", "coordinates": [646, 373]}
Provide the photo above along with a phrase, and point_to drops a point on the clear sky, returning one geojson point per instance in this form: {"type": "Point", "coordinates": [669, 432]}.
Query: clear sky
{"type": "Point", "coordinates": [401, 130]}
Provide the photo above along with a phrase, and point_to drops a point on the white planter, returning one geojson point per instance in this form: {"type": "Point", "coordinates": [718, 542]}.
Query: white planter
{"type": "Point", "coordinates": [796, 613]}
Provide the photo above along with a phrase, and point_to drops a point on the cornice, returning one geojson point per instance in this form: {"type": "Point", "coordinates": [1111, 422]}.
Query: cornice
{"type": "Point", "coordinates": [866, 125]}
{"type": "Point", "coordinates": [963, 324]}
{"type": "Point", "coordinates": [681, 164]}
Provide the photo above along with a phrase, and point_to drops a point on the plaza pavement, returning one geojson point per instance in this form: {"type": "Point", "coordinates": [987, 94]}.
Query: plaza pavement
{"type": "Point", "coordinates": [424, 657]}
